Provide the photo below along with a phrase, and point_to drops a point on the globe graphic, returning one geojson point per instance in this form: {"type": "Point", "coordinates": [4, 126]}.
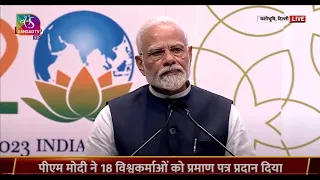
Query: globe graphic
{"type": "Point", "coordinates": [84, 38]}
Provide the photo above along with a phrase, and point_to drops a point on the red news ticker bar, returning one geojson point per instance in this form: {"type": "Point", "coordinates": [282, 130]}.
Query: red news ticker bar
{"type": "Point", "coordinates": [159, 165]}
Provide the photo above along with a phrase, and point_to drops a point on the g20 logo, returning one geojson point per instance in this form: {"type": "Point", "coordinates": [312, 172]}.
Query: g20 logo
{"type": "Point", "coordinates": [6, 61]}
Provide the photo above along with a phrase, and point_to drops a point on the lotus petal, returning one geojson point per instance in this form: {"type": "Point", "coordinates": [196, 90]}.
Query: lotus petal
{"type": "Point", "coordinates": [105, 80]}
{"type": "Point", "coordinates": [84, 94]}
{"type": "Point", "coordinates": [109, 94]}
{"type": "Point", "coordinates": [44, 111]}
{"type": "Point", "coordinates": [55, 97]}
{"type": "Point", "coordinates": [62, 79]}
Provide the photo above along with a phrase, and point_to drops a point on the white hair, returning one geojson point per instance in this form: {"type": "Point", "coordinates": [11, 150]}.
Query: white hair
{"type": "Point", "coordinates": [153, 22]}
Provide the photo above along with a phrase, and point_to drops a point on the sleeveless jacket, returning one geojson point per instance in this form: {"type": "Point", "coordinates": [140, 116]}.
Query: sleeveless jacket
{"type": "Point", "coordinates": [139, 114]}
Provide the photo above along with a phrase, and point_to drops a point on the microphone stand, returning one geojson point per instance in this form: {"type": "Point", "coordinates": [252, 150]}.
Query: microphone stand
{"type": "Point", "coordinates": [205, 131]}
{"type": "Point", "coordinates": [153, 136]}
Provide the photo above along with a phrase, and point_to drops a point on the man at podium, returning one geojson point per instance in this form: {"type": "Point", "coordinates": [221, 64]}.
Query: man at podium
{"type": "Point", "coordinates": [168, 116]}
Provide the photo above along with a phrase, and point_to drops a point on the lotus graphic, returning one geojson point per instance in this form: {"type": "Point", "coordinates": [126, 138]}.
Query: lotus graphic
{"type": "Point", "coordinates": [72, 99]}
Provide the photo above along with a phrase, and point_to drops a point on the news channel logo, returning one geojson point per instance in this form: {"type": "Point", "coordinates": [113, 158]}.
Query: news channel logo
{"type": "Point", "coordinates": [28, 25]}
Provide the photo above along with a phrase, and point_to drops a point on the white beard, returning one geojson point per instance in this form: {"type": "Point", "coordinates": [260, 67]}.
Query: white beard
{"type": "Point", "coordinates": [170, 82]}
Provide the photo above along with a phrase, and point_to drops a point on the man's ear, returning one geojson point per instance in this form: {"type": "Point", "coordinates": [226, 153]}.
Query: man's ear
{"type": "Point", "coordinates": [190, 53]}
{"type": "Point", "coordinates": [140, 64]}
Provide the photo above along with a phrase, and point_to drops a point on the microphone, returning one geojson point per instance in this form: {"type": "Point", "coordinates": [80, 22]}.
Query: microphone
{"type": "Point", "coordinates": [172, 106]}
{"type": "Point", "coordinates": [184, 107]}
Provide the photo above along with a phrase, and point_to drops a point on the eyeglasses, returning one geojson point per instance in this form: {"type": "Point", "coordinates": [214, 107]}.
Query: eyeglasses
{"type": "Point", "coordinates": [158, 53]}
